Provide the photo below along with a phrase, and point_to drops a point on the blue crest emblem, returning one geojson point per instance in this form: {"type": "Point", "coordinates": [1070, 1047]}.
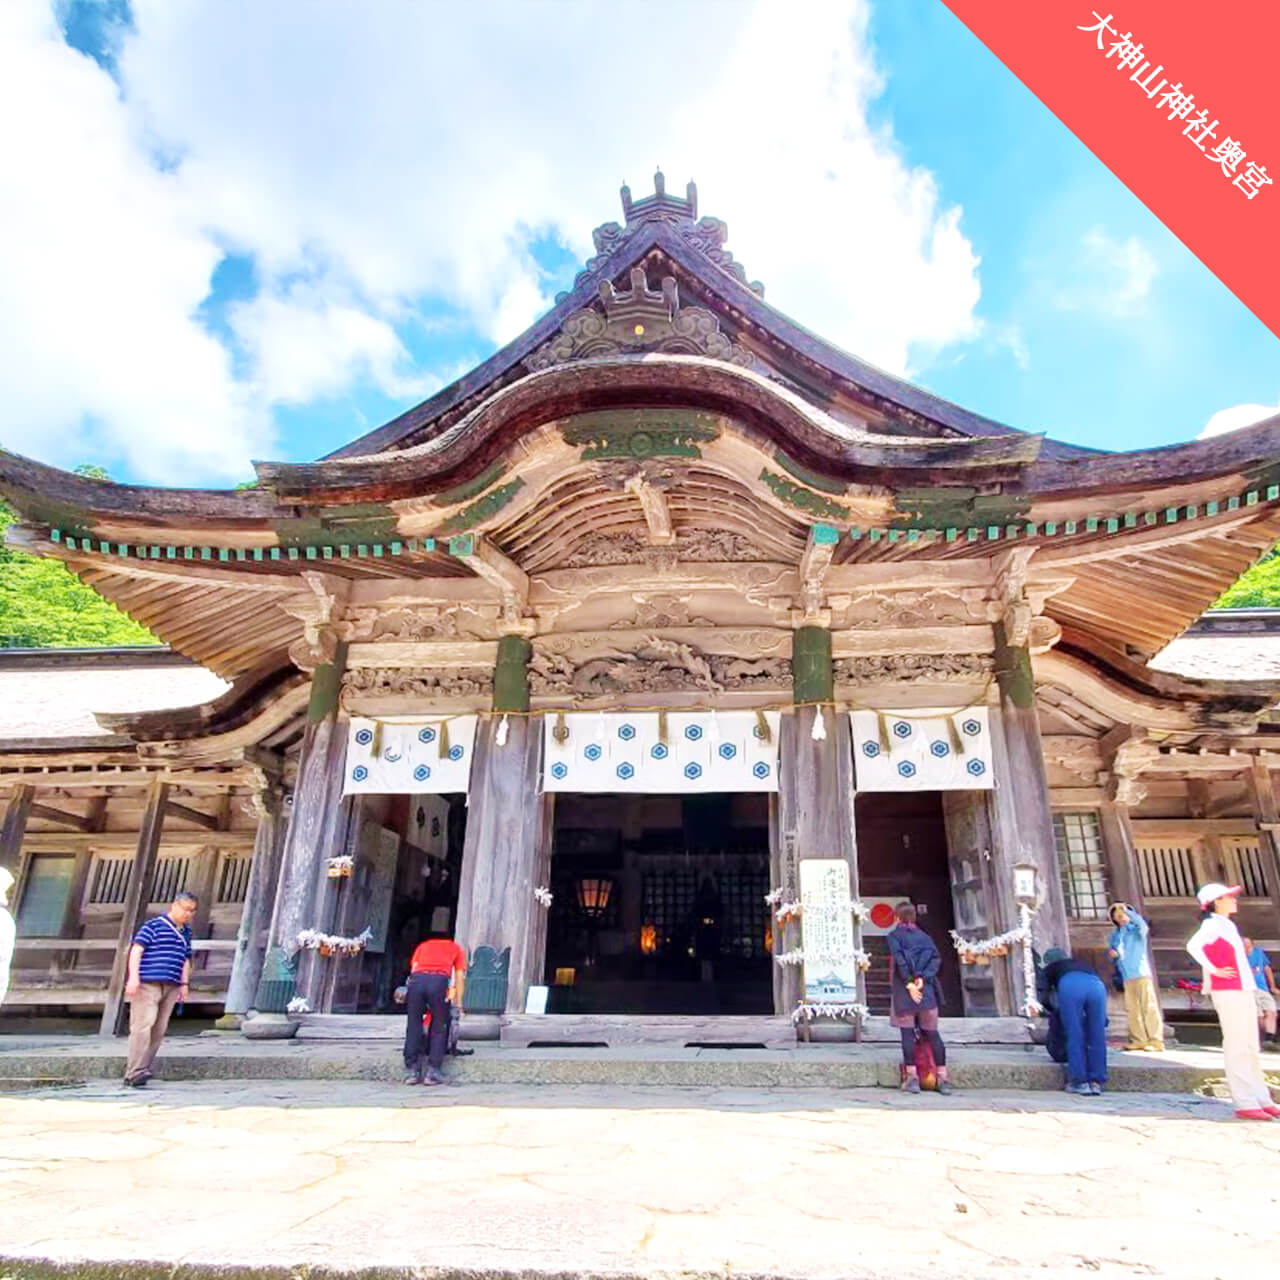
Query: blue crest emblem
{"type": "Point", "coordinates": [728, 751]}
{"type": "Point", "coordinates": [659, 751]}
{"type": "Point", "coordinates": [972, 727]}
{"type": "Point", "coordinates": [939, 748]}
{"type": "Point", "coordinates": [870, 749]}
{"type": "Point", "coordinates": [455, 752]}
{"type": "Point", "coordinates": [559, 769]}
{"type": "Point", "coordinates": [426, 735]}
{"type": "Point", "coordinates": [693, 770]}
{"type": "Point", "coordinates": [693, 732]}
{"type": "Point", "coordinates": [422, 773]}
{"type": "Point", "coordinates": [901, 729]}
{"type": "Point", "coordinates": [626, 732]}
{"type": "Point", "coordinates": [592, 751]}
{"type": "Point", "coordinates": [626, 771]}
{"type": "Point", "coordinates": [364, 737]}
{"type": "Point", "coordinates": [760, 769]}
{"type": "Point", "coordinates": [976, 767]}
{"type": "Point", "coordinates": [359, 773]}
{"type": "Point", "coordinates": [906, 768]}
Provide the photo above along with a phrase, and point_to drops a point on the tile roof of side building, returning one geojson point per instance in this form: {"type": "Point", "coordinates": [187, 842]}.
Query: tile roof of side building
{"type": "Point", "coordinates": [1226, 644]}
{"type": "Point", "coordinates": [52, 695]}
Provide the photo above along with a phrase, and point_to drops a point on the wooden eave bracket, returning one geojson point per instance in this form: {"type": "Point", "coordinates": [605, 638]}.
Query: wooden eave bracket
{"type": "Point", "coordinates": [498, 569]}
{"type": "Point", "coordinates": [814, 564]}
{"type": "Point", "coordinates": [657, 514]}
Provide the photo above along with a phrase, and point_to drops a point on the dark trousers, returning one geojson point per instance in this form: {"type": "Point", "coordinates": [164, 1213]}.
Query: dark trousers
{"type": "Point", "coordinates": [935, 1043]}
{"type": "Point", "coordinates": [1082, 1006]}
{"type": "Point", "coordinates": [426, 992]}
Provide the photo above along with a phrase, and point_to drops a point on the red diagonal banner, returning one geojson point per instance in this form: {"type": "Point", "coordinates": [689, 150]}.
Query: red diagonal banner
{"type": "Point", "coordinates": [1178, 99]}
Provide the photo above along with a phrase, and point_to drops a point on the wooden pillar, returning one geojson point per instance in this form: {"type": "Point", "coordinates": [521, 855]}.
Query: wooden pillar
{"type": "Point", "coordinates": [135, 903]}
{"type": "Point", "coordinates": [1023, 822]}
{"type": "Point", "coordinates": [815, 792]}
{"type": "Point", "coordinates": [15, 827]}
{"type": "Point", "coordinates": [1262, 796]}
{"type": "Point", "coordinates": [317, 798]}
{"type": "Point", "coordinates": [507, 843]}
{"type": "Point", "coordinates": [255, 918]}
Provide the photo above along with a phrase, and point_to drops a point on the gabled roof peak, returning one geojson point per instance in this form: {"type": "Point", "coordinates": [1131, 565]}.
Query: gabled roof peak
{"type": "Point", "coordinates": [652, 215]}
{"type": "Point", "coordinates": [660, 206]}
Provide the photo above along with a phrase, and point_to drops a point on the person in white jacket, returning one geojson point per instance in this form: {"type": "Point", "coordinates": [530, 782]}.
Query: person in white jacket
{"type": "Point", "coordinates": [1218, 948]}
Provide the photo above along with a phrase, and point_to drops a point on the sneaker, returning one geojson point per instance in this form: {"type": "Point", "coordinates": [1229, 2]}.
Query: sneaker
{"type": "Point", "coordinates": [1095, 1088]}
{"type": "Point", "coordinates": [412, 1078]}
{"type": "Point", "coordinates": [434, 1077]}
{"type": "Point", "coordinates": [944, 1086]}
{"type": "Point", "coordinates": [911, 1084]}
{"type": "Point", "coordinates": [1082, 1089]}
{"type": "Point", "coordinates": [1272, 1111]}
{"type": "Point", "coordinates": [1253, 1113]}
{"type": "Point", "coordinates": [136, 1082]}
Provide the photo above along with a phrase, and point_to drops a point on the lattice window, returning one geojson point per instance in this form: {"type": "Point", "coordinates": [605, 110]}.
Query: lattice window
{"type": "Point", "coordinates": [109, 881]}
{"type": "Point", "coordinates": [1167, 868]}
{"type": "Point", "coordinates": [233, 878]}
{"type": "Point", "coordinates": [1080, 860]}
{"type": "Point", "coordinates": [1243, 860]}
{"type": "Point", "coordinates": [44, 895]}
{"type": "Point", "coordinates": [170, 878]}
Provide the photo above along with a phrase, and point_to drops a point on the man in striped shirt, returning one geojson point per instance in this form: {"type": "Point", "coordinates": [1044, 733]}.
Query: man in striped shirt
{"type": "Point", "coordinates": [159, 969]}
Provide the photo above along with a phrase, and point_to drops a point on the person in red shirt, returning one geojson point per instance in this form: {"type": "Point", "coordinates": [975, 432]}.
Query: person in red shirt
{"type": "Point", "coordinates": [437, 969]}
{"type": "Point", "coordinates": [1219, 949]}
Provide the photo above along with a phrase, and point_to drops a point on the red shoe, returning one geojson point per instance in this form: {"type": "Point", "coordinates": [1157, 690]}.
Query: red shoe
{"type": "Point", "coordinates": [1273, 1111]}
{"type": "Point", "coordinates": [1255, 1113]}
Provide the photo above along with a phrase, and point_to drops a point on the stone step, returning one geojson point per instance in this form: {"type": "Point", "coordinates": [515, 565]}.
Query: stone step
{"type": "Point", "coordinates": [228, 1056]}
{"type": "Point", "coordinates": [615, 1030]}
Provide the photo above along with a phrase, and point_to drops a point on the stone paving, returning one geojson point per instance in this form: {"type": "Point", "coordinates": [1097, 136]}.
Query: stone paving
{"type": "Point", "coordinates": [554, 1180]}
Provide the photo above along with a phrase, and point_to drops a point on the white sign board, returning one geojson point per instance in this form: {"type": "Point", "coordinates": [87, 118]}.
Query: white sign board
{"type": "Point", "coordinates": [826, 931]}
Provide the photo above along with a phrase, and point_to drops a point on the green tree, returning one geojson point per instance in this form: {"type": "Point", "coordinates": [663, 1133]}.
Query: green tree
{"type": "Point", "coordinates": [1256, 588]}
{"type": "Point", "coordinates": [44, 605]}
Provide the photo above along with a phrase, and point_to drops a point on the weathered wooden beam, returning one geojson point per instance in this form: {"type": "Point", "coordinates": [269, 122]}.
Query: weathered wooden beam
{"type": "Point", "coordinates": [15, 825]}
{"type": "Point", "coordinates": [50, 814]}
{"type": "Point", "coordinates": [186, 842]}
{"type": "Point", "coordinates": [208, 821]}
{"type": "Point", "coordinates": [948, 638]}
{"type": "Point", "coordinates": [135, 904]}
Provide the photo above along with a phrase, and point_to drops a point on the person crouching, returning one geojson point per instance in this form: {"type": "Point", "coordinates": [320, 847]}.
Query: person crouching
{"type": "Point", "coordinates": [1077, 998]}
{"type": "Point", "coordinates": [916, 995]}
{"type": "Point", "coordinates": [437, 966]}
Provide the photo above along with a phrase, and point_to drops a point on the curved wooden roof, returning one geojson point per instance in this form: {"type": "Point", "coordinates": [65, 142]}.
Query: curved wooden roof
{"type": "Point", "coordinates": [664, 365]}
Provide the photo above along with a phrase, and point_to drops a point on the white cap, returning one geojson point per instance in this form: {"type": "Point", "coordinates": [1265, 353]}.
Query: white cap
{"type": "Point", "coordinates": [1208, 893]}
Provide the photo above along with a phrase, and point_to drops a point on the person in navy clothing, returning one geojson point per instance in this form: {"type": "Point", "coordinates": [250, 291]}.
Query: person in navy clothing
{"type": "Point", "coordinates": [159, 970]}
{"type": "Point", "coordinates": [916, 995]}
{"type": "Point", "coordinates": [1076, 1000]}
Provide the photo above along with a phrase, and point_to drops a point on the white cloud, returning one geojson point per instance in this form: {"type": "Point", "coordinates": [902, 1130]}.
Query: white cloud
{"type": "Point", "coordinates": [1108, 276]}
{"type": "Point", "coordinates": [376, 159]}
{"type": "Point", "coordinates": [1237, 416]}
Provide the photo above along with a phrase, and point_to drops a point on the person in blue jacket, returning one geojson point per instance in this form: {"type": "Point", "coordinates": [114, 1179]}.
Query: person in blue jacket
{"type": "Point", "coordinates": [1076, 1000]}
{"type": "Point", "coordinates": [916, 996]}
{"type": "Point", "coordinates": [1127, 946]}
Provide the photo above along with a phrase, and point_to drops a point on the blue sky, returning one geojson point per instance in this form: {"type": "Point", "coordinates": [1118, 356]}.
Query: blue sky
{"type": "Point", "coordinates": [235, 230]}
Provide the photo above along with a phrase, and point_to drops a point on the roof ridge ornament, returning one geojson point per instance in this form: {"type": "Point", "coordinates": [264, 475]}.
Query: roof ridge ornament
{"type": "Point", "coordinates": [636, 320]}
{"type": "Point", "coordinates": [706, 235]}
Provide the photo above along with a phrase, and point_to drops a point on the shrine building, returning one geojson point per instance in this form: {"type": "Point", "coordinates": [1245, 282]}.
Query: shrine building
{"type": "Point", "coordinates": [589, 654]}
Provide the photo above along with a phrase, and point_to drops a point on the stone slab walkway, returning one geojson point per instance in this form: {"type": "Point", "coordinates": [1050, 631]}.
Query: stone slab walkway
{"type": "Point", "coordinates": [548, 1181]}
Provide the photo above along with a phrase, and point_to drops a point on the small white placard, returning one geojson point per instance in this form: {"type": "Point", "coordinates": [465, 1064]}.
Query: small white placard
{"type": "Point", "coordinates": [536, 1001]}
